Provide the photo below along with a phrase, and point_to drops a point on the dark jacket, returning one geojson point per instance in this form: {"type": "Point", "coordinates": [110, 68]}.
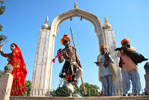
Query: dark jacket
{"type": "Point", "coordinates": [135, 56]}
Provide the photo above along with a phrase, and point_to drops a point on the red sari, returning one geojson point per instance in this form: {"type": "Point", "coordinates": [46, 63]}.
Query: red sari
{"type": "Point", "coordinates": [19, 73]}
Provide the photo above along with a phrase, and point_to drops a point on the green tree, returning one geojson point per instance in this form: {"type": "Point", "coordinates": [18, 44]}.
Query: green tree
{"type": "Point", "coordinates": [60, 92]}
{"type": "Point", "coordinates": [1, 27]}
{"type": "Point", "coordinates": [28, 84]}
{"type": "Point", "coordinates": [2, 38]}
{"type": "Point", "coordinates": [2, 9]}
{"type": "Point", "coordinates": [53, 93]}
{"type": "Point", "coordinates": [92, 90]}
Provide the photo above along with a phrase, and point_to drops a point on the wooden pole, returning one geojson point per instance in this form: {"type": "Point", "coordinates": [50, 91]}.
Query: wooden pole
{"type": "Point", "coordinates": [84, 89]}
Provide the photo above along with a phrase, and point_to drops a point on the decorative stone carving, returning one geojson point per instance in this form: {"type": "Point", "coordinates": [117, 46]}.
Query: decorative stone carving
{"type": "Point", "coordinates": [6, 80]}
{"type": "Point", "coordinates": [75, 5]}
{"type": "Point", "coordinates": [46, 25]}
{"type": "Point", "coordinates": [70, 88]}
{"type": "Point", "coordinates": [9, 68]}
{"type": "Point", "coordinates": [107, 25]}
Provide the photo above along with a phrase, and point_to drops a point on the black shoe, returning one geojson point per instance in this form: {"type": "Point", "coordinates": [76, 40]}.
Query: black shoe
{"type": "Point", "coordinates": [124, 94]}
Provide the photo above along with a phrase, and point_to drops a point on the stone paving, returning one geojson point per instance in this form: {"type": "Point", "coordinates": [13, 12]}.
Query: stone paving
{"type": "Point", "coordinates": [83, 98]}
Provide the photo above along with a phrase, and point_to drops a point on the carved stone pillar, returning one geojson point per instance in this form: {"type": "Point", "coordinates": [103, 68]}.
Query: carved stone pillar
{"type": "Point", "coordinates": [41, 80]}
{"type": "Point", "coordinates": [6, 80]}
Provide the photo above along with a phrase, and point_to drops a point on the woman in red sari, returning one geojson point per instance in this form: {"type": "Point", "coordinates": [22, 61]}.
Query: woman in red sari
{"type": "Point", "coordinates": [19, 72]}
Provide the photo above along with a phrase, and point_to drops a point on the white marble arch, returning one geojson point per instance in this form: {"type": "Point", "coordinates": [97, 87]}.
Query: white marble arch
{"type": "Point", "coordinates": [105, 36]}
{"type": "Point", "coordinates": [76, 13]}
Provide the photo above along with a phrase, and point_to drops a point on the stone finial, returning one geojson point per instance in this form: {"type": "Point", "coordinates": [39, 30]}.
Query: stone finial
{"type": "Point", "coordinates": [47, 20]}
{"type": "Point", "coordinates": [107, 25]}
{"type": "Point", "coordinates": [106, 21]}
{"type": "Point", "coordinates": [9, 68]}
{"type": "Point", "coordinates": [46, 25]}
{"type": "Point", "coordinates": [75, 5]}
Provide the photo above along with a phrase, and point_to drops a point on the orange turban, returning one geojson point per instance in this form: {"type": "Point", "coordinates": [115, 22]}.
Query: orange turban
{"type": "Point", "coordinates": [125, 40]}
{"type": "Point", "coordinates": [64, 38]}
{"type": "Point", "coordinates": [103, 46]}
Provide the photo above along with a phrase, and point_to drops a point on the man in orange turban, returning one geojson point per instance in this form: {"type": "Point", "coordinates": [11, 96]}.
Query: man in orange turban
{"type": "Point", "coordinates": [129, 59]}
{"type": "Point", "coordinates": [125, 41]}
{"type": "Point", "coordinates": [106, 71]}
{"type": "Point", "coordinates": [65, 39]}
{"type": "Point", "coordinates": [71, 70]}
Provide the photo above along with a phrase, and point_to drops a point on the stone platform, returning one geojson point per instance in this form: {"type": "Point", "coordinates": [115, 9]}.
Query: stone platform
{"type": "Point", "coordinates": [82, 98]}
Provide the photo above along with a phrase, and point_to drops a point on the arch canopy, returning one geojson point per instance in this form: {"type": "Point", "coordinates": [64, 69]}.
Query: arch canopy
{"type": "Point", "coordinates": [76, 13]}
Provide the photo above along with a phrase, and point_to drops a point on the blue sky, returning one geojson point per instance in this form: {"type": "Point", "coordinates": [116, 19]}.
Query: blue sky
{"type": "Point", "coordinates": [23, 19]}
